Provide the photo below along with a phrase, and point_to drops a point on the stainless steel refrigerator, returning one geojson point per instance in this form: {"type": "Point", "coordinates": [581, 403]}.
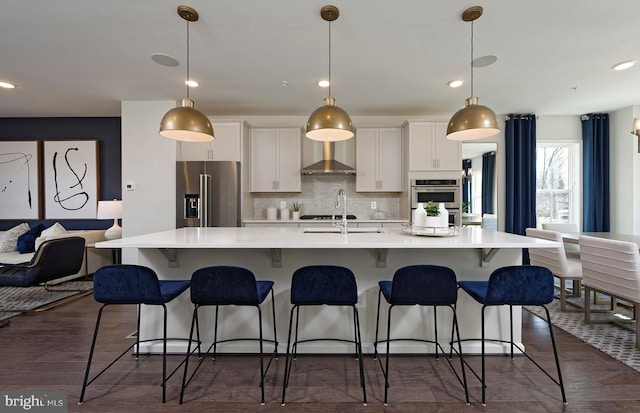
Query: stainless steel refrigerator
{"type": "Point", "coordinates": [208, 194]}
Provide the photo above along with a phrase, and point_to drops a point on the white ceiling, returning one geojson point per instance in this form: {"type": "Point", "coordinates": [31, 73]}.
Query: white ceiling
{"type": "Point", "coordinates": [82, 58]}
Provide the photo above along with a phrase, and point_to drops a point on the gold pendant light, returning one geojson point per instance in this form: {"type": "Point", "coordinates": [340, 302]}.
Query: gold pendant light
{"type": "Point", "coordinates": [185, 123]}
{"type": "Point", "coordinates": [474, 121]}
{"type": "Point", "coordinates": [329, 123]}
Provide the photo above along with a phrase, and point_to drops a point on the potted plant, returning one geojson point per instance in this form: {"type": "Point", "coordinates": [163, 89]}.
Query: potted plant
{"type": "Point", "coordinates": [295, 210]}
{"type": "Point", "coordinates": [432, 214]}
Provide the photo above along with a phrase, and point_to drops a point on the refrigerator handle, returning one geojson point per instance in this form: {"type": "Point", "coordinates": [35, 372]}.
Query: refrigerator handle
{"type": "Point", "coordinates": [205, 180]}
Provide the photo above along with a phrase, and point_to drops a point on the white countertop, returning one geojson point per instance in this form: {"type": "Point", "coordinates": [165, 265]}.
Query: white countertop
{"type": "Point", "coordinates": [293, 237]}
{"type": "Point", "coordinates": [319, 221]}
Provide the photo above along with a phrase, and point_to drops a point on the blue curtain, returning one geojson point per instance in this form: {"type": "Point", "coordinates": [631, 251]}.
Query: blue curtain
{"type": "Point", "coordinates": [466, 183]}
{"type": "Point", "coordinates": [488, 173]}
{"type": "Point", "coordinates": [520, 149]}
{"type": "Point", "coordinates": [595, 160]}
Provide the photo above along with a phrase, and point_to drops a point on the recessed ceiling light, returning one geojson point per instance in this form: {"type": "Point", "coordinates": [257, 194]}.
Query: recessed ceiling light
{"type": "Point", "coordinates": [7, 85]}
{"type": "Point", "coordinates": [623, 65]}
{"type": "Point", "coordinates": [455, 83]}
{"type": "Point", "coordinates": [164, 59]}
{"type": "Point", "coordinates": [323, 83]}
{"type": "Point", "coordinates": [191, 83]}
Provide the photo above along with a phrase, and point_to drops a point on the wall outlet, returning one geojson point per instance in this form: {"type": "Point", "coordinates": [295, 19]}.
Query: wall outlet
{"type": "Point", "coordinates": [283, 204]}
{"type": "Point", "coordinates": [373, 205]}
{"type": "Point", "coordinates": [130, 186]}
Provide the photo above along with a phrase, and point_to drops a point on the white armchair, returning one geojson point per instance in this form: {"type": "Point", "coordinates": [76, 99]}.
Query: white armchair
{"type": "Point", "coordinates": [556, 260]}
{"type": "Point", "coordinates": [613, 268]}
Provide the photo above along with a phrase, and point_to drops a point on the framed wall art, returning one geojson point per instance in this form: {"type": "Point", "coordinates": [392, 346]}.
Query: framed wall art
{"type": "Point", "coordinates": [20, 180]}
{"type": "Point", "coordinates": [71, 179]}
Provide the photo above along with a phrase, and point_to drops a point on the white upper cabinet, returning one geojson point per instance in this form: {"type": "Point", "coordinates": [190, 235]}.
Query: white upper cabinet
{"type": "Point", "coordinates": [227, 145]}
{"type": "Point", "coordinates": [430, 150]}
{"type": "Point", "coordinates": [379, 160]}
{"type": "Point", "coordinates": [275, 160]}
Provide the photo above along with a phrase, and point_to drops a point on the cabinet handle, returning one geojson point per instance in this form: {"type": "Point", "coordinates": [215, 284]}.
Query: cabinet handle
{"type": "Point", "coordinates": [438, 163]}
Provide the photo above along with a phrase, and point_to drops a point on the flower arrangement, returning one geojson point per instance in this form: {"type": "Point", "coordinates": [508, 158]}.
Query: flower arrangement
{"type": "Point", "coordinates": [432, 209]}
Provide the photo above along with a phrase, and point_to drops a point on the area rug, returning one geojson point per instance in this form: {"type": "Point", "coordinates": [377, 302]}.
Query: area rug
{"type": "Point", "coordinates": [16, 300]}
{"type": "Point", "coordinates": [611, 339]}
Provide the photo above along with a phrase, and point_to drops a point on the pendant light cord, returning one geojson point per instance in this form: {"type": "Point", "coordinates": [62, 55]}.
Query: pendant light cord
{"type": "Point", "coordinates": [329, 58]}
{"type": "Point", "coordinates": [472, 58]}
{"type": "Point", "coordinates": [187, 80]}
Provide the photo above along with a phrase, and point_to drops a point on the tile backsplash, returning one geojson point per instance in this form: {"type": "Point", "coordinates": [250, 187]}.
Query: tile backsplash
{"type": "Point", "coordinates": [318, 196]}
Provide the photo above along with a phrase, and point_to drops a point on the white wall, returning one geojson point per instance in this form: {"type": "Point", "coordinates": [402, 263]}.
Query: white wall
{"type": "Point", "coordinates": [624, 160]}
{"type": "Point", "coordinates": [148, 161]}
{"type": "Point", "coordinates": [559, 128]}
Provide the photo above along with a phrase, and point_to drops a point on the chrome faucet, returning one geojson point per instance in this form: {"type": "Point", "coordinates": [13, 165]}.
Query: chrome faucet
{"type": "Point", "coordinates": [341, 202]}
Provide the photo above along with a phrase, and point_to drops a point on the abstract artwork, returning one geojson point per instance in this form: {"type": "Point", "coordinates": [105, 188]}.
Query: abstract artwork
{"type": "Point", "coordinates": [19, 180]}
{"type": "Point", "coordinates": [71, 179]}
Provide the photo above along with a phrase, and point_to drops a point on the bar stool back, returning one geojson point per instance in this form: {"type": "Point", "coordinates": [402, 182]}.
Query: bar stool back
{"type": "Point", "coordinates": [424, 285]}
{"type": "Point", "coordinates": [227, 285]}
{"type": "Point", "coordinates": [515, 285]}
{"type": "Point", "coordinates": [132, 285]}
{"type": "Point", "coordinates": [323, 285]}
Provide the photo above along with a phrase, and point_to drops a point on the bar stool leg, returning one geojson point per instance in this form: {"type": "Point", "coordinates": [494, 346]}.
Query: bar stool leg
{"type": "Point", "coordinates": [194, 323]}
{"type": "Point", "coordinates": [464, 374]}
{"type": "Point", "coordinates": [261, 356]}
{"type": "Point", "coordinates": [164, 355]}
{"type": "Point", "coordinates": [215, 334]}
{"type": "Point", "coordinates": [93, 346]}
{"type": "Point", "coordinates": [435, 328]}
{"type": "Point", "coordinates": [375, 342]}
{"type": "Point", "coordinates": [275, 333]}
{"type": "Point", "coordinates": [360, 362]}
{"type": "Point", "coordinates": [287, 360]}
{"type": "Point", "coordinates": [483, 356]}
{"type": "Point", "coordinates": [386, 368]}
{"type": "Point", "coordinates": [555, 354]}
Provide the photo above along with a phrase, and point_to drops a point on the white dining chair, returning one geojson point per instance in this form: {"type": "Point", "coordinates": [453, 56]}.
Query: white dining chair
{"type": "Point", "coordinates": [572, 250]}
{"type": "Point", "coordinates": [556, 260]}
{"type": "Point", "coordinates": [611, 267]}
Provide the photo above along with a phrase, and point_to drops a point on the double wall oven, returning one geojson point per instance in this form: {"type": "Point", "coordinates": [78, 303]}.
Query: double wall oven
{"type": "Point", "coordinates": [445, 191]}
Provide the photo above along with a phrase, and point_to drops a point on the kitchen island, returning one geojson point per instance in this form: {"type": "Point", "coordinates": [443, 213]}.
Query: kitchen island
{"type": "Point", "coordinates": [373, 255]}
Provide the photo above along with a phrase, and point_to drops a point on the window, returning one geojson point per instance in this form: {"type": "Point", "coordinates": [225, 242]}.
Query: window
{"type": "Point", "coordinates": [557, 199]}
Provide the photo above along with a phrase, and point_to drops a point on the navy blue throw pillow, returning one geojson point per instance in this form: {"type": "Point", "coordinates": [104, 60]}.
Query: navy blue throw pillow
{"type": "Point", "coordinates": [27, 241]}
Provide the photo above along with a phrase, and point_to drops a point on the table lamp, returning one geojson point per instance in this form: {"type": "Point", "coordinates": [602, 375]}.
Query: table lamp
{"type": "Point", "coordinates": [111, 210]}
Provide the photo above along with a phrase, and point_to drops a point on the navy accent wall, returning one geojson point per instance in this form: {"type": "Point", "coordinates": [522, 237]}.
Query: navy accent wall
{"type": "Point", "coordinates": [108, 133]}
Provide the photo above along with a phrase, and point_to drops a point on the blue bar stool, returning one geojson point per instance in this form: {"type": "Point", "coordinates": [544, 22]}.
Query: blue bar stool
{"type": "Point", "coordinates": [226, 285]}
{"type": "Point", "coordinates": [132, 284]}
{"type": "Point", "coordinates": [424, 285]}
{"type": "Point", "coordinates": [317, 285]}
{"type": "Point", "coordinates": [515, 285]}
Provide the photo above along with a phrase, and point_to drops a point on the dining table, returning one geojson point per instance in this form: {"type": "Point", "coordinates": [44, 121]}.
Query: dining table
{"type": "Point", "coordinates": [573, 237]}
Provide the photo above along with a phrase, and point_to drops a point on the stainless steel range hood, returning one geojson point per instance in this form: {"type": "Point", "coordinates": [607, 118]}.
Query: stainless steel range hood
{"type": "Point", "coordinates": [328, 165]}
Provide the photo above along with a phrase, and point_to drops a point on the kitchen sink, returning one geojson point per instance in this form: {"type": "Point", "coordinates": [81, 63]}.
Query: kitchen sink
{"type": "Point", "coordinates": [336, 230]}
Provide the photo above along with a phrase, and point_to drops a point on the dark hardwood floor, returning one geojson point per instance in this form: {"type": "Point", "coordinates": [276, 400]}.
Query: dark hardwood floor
{"type": "Point", "coordinates": [48, 351]}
